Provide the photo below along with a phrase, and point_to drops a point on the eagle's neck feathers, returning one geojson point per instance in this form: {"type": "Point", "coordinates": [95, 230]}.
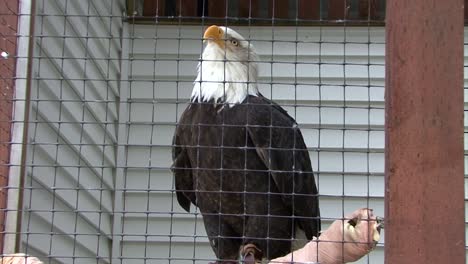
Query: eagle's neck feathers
{"type": "Point", "coordinates": [223, 79]}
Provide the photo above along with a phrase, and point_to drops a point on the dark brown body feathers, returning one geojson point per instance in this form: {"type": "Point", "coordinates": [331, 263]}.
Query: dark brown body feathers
{"type": "Point", "coordinates": [240, 165]}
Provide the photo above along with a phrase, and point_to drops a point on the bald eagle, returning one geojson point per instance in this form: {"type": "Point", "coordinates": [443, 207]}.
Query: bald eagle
{"type": "Point", "coordinates": [240, 158]}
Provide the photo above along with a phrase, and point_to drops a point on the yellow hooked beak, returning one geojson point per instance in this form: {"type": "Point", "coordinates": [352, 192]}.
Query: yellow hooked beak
{"type": "Point", "coordinates": [216, 34]}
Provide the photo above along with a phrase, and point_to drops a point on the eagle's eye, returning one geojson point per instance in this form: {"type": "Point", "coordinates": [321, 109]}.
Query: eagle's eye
{"type": "Point", "coordinates": [235, 42]}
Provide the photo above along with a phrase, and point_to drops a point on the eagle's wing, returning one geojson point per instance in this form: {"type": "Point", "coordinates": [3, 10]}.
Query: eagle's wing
{"type": "Point", "coordinates": [279, 143]}
{"type": "Point", "coordinates": [182, 170]}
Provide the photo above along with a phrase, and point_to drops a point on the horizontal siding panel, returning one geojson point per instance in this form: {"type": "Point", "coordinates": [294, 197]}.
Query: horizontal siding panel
{"type": "Point", "coordinates": [46, 136]}
{"type": "Point", "coordinates": [160, 181]}
{"type": "Point", "coordinates": [161, 135]}
{"type": "Point", "coordinates": [288, 80]}
{"type": "Point", "coordinates": [109, 13]}
{"type": "Point", "coordinates": [309, 55]}
{"type": "Point", "coordinates": [329, 160]}
{"type": "Point", "coordinates": [160, 227]}
{"type": "Point", "coordinates": [159, 90]}
{"type": "Point", "coordinates": [73, 63]}
{"type": "Point", "coordinates": [166, 253]}
{"type": "Point", "coordinates": [64, 220]}
{"type": "Point", "coordinates": [159, 112]}
{"type": "Point", "coordinates": [84, 25]}
{"type": "Point", "coordinates": [59, 248]}
{"type": "Point", "coordinates": [148, 135]}
{"type": "Point", "coordinates": [63, 202]}
{"type": "Point", "coordinates": [351, 185]}
{"type": "Point", "coordinates": [271, 71]}
{"type": "Point", "coordinates": [79, 121]}
{"type": "Point", "coordinates": [100, 111]}
{"type": "Point", "coordinates": [98, 24]}
{"type": "Point", "coordinates": [146, 112]}
{"type": "Point", "coordinates": [91, 194]}
{"type": "Point", "coordinates": [304, 66]}
{"type": "Point", "coordinates": [149, 157]}
{"type": "Point", "coordinates": [163, 37]}
{"type": "Point", "coordinates": [76, 47]}
{"type": "Point", "coordinates": [157, 203]}
{"type": "Point", "coordinates": [112, 10]}
{"type": "Point", "coordinates": [330, 94]}
{"type": "Point", "coordinates": [181, 91]}
{"type": "Point", "coordinates": [84, 154]}
{"type": "Point", "coordinates": [148, 179]}
{"type": "Point", "coordinates": [163, 204]}
{"type": "Point", "coordinates": [71, 160]}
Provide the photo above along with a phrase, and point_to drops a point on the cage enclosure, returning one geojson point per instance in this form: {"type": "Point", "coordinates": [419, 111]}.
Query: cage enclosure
{"type": "Point", "coordinates": [105, 83]}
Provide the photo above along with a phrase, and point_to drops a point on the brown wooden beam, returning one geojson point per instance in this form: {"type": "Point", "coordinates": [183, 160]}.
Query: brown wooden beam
{"type": "Point", "coordinates": [424, 174]}
{"type": "Point", "coordinates": [8, 31]}
{"type": "Point", "coordinates": [466, 11]}
{"type": "Point", "coordinates": [187, 7]}
{"type": "Point", "coordinates": [338, 9]}
{"type": "Point", "coordinates": [154, 8]}
{"type": "Point", "coordinates": [217, 8]}
{"type": "Point", "coordinates": [279, 9]}
{"type": "Point", "coordinates": [368, 9]}
{"type": "Point", "coordinates": [309, 9]}
{"type": "Point", "coordinates": [249, 8]}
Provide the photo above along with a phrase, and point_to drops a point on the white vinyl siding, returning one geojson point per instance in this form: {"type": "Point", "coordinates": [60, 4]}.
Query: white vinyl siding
{"type": "Point", "coordinates": [69, 187]}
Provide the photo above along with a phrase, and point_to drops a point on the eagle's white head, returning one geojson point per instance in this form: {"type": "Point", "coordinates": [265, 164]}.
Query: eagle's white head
{"type": "Point", "coordinates": [227, 71]}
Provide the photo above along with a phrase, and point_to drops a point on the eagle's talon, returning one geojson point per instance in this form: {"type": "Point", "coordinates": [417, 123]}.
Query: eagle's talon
{"type": "Point", "coordinates": [380, 223]}
{"type": "Point", "coordinates": [248, 259]}
{"type": "Point", "coordinates": [250, 254]}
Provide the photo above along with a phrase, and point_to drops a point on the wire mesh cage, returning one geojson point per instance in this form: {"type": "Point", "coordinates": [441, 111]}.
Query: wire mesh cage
{"type": "Point", "coordinates": [105, 89]}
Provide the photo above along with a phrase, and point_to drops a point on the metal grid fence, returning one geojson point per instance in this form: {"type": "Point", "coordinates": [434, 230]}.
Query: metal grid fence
{"type": "Point", "coordinates": [109, 82]}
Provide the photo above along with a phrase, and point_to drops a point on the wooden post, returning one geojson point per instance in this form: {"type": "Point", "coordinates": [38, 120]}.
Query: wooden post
{"type": "Point", "coordinates": [424, 174]}
{"type": "Point", "coordinates": [8, 31]}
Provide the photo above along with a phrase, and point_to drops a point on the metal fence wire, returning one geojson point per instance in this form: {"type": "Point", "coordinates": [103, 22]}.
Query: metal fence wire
{"type": "Point", "coordinates": [105, 85]}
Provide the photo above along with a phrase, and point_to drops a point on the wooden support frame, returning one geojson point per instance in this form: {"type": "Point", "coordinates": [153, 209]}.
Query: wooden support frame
{"type": "Point", "coordinates": [8, 31]}
{"type": "Point", "coordinates": [424, 206]}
